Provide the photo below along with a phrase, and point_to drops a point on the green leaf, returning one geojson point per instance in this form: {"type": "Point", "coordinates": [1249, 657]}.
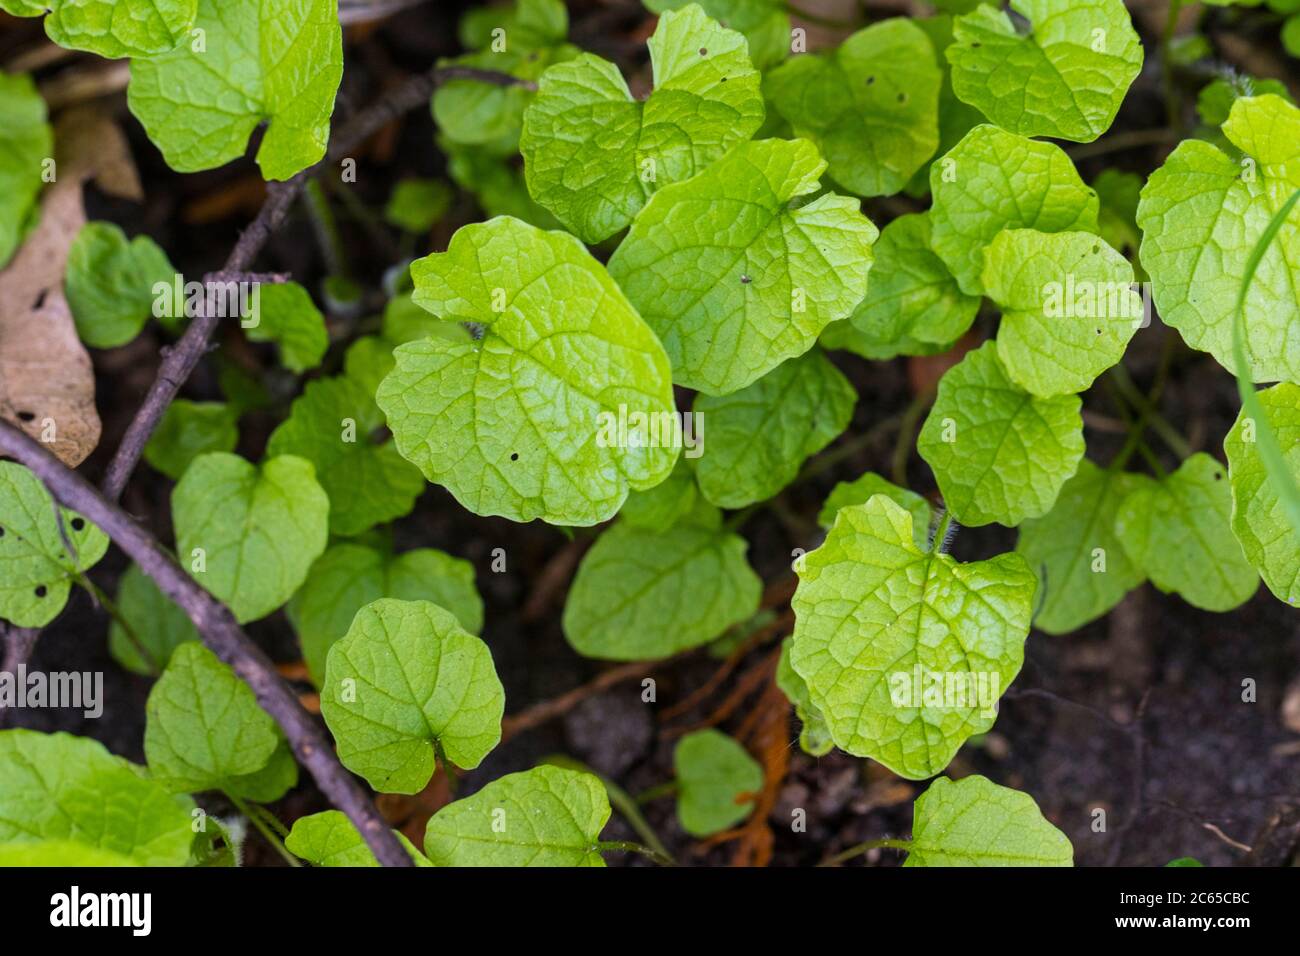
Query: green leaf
{"type": "Point", "coordinates": [288, 317]}
{"type": "Point", "coordinates": [814, 737]}
{"type": "Point", "coordinates": [65, 788]}
{"type": "Point", "coordinates": [593, 154]}
{"type": "Point", "coordinates": [759, 437]}
{"type": "Point", "coordinates": [111, 28]}
{"type": "Point", "coordinates": [765, 24]}
{"type": "Point", "coordinates": [515, 422]}
{"type": "Point", "coordinates": [879, 621]}
{"type": "Point", "coordinates": [26, 142]}
{"type": "Point", "coordinates": [717, 782]}
{"type": "Point", "coordinates": [157, 623]}
{"type": "Point", "coordinates": [1214, 102]}
{"type": "Point", "coordinates": [871, 105]}
{"type": "Point", "coordinates": [62, 853]}
{"type": "Point", "coordinates": [475, 113]}
{"type": "Point", "coordinates": [913, 302]}
{"type": "Point", "coordinates": [1203, 199]}
{"type": "Point", "coordinates": [661, 507]}
{"type": "Point", "coordinates": [273, 61]}
{"type": "Point", "coordinates": [1118, 194]}
{"type": "Point", "coordinates": [331, 425]}
{"type": "Point", "coordinates": [1177, 531]}
{"type": "Point", "coordinates": [278, 777]}
{"type": "Point", "coordinates": [956, 118]}
{"type": "Point", "coordinates": [36, 570]}
{"type": "Point", "coordinates": [1065, 78]}
{"type": "Point", "coordinates": [733, 278]}
{"type": "Point", "coordinates": [847, 337]}
{"type": "Point", "coordinates": [1259, 518]}
{"type": "Point", "coordinates": [547, 816]}
{"type": "Point", "coordinates": [1291, 35]}
{"type": "Point", "coordinates": [348, 576]}
{"type": "Point", "coordinates": [860, 490]}
{"type": "Point", "coordinates": [641, 594]}
{"type": "Point", "coordinates": [998, 452]}
{"type": "Point", "coordinates": [497, 185]}
{"type": "Point", "coordinates": [416, 204]}
{"type": "Point", "coordinates": [407, 685]}
{"type": "Point", "coordinates": [993, 180]}
{"type": "Point", "coordinates": [1081, 563]}
{"type": "Point", "coordinates": [204, 728]}
{"type": "Point", "coordinates": [974, 822]}
{"type": "Point", "coordinates": [110, 281]}
{"type": "Point", "coordinates": [247, 533]}
{"type": "Point", "coordinates": [1068, 307]}
{"type": "Point", "coordinates": [330, 839]}
{"type": "Point", "coordinates": [189, 429]}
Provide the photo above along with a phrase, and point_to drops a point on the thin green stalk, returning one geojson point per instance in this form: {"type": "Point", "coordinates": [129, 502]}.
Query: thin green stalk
{"type": "Point", "coordinates": [860, 848]}
{"type": "Point", "coordinates": [453, 782]}
{"type": "Point", "coordinates": [269, 835]}
{"type": "Point", "coordinates": [327, 229]}
{"type": "Point", "coordinates": [1172, 111]}
{"type": "Point", "coordinates": [820, 21]}
{"type": "Point", "coordinates": [115, 613]}
{"type": "Point", "coordinates": [665, 789]}
{"type": "Point", "coordinates": [1170, 435]}
{"type": "Point", "coordinates": [626, 846]}
{"type": "Point", "coordinates": [622, 801]}
{"type": "Point", "coordinates": [1269, 451]}
{"type": "Point", "coordinates": [907, 435]}
{"type": "Point", "coordinates": [270, 818]}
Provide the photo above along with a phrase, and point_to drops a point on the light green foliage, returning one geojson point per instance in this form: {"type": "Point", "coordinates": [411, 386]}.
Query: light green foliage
{"type": "Point", "coordinates": [59, 853]}
{"type": "Point", "coordinates": [330, 839]}
{"type": "Point", "coordinates": [717, 781]}
{"type": "Point", "coordinates": [998, 452]}
{"type": "Point", "coordinates": [332, 425]}
{"type": "Point", "coordinates": [956, 118]}
{"type": "Point", "coordinates": [994, 180]}
{"type": "Point", "coordinates": [1177, 531]}
{"type": "Point", "coordinates": [733, 276]}
{"type": "Point", "coordinates": [1201, 214]}
{"type": "Point", "coordinates": [349, 576]}
{"type": "Point", "coordinates": [1081, 563]}
{"type": "Point", "coordinates": [1291, 35]}
{"type": "Point", "coordinates": [1118, 193]}
{"type": "Point", "coordinates": [814, 737]}
{"type": "Point", "coordinates": [36, 570]}
{"type": "Point", "coordinates": [860, 490]}
{"type": "Point", "coordinates": [158, 624]}
{"type": "Point", "coordinates": [661, 507]}
{"type": "Point", "coordinates": [593, 154]}
{"type": "Point", "coordinates": [70, 789]}
{"type": "Point", "coordinates": [758, 437]}
{"type": "Point", "coordinates": [1066, 78]}
{"type": "Point", "coordinates": [474, 113]}
{"type": "Point", "coordinates": [416, 204]}
{"type": "Point", "coordinates": [259, 528]}
{"type": "Point", "coordinates": [273, 61]}
{"type": "Point", "coordinates": [974, 822]}
{"type": "Point", "coordinates": [109, 283]}
{"type": "Point", "coordinates": [1068, 307]}
{"type": "Point", "coordinates": [26, 141]}
{"type": "Point", "coordinates": [204, 729]}
{"type": "Point", "coordinates": [547, 816]}
{"type": "Point", "coordinates": [1259, 518]}
{"type": "Point", "coordinates": [871, 105]}
{"type": "Point", "coordinates": [407, 685]}
{"type": "Point", "coordinates": [189, 429]}
{"type": "Point", "coordinates": [765, 23]}
{"type": "Point", "coordinates": [914, 304]}
{"type": "Point", "coordinates": [524, 420]}
{"type": "Point", "coordinates": [641, 594]}
{"type": "Point", "coordinates": [1214, 102]}
{"type": "Point", "coordinates": [878, 621]}
{"type": "Point", "coordinates": [111, 28]}
{"type": "Point", "coordinates": [288, 317]}
{"type": "Point", "coordinates": [497, 185]}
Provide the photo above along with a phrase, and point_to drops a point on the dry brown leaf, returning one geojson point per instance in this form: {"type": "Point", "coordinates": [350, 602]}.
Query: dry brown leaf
{"type": "Point", "coordinates": [47, 383]}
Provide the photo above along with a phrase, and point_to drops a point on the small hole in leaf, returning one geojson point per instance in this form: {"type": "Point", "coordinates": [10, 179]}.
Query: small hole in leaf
{"type": "Point", "coordinates": [902, 97]}
{"type": "Point", "coordinates": [1099, 331]}
{"type": "Point", "coordinates": [1096, 249]}
{"type": "Point", "coordinates": [40, 590]}
{"type": "Point", "coordinates": [703, 51]}
{"type": "Point", "coordinates": [26, 416]}
{"type": "Point", "coordinates": [514, 456]}
{"type": "Point", "coordinates": [1218, 476]}
{"type": "Point", "coordinates": [870, 80]}
{"type": "Point", "coordinates": [2, 532]}
{"type": "Point", "coordinates": [78, 524]}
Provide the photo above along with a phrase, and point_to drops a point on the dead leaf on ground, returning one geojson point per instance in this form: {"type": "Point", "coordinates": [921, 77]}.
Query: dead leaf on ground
{"type": "Point", "coordinates": [47, 383]}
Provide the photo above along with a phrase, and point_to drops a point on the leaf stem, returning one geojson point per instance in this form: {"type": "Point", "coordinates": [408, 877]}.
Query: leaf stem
{"type": "Point", "coordinates": [1170, 435]}
{"type": "Point", "coordinates": [269, 835]}
{"type": "Point", "coordinates": [818, 20]}
{"type": "Point", "coordinates": [627, 846]}
{"type": "Point", "coordinates": [907, 434]}
{"type": "Point", "coordinates": [116, 614]}
{"type": "Point", "coordinates": [860, 848]}
{"type": "Point", "coordinates": [1172, 111]}
{"type": "Point", "coordinates": [665, 789]}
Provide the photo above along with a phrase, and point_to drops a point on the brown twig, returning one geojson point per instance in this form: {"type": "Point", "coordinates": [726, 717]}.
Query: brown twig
{"type": "Point", "coordinates": [220, 632]}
